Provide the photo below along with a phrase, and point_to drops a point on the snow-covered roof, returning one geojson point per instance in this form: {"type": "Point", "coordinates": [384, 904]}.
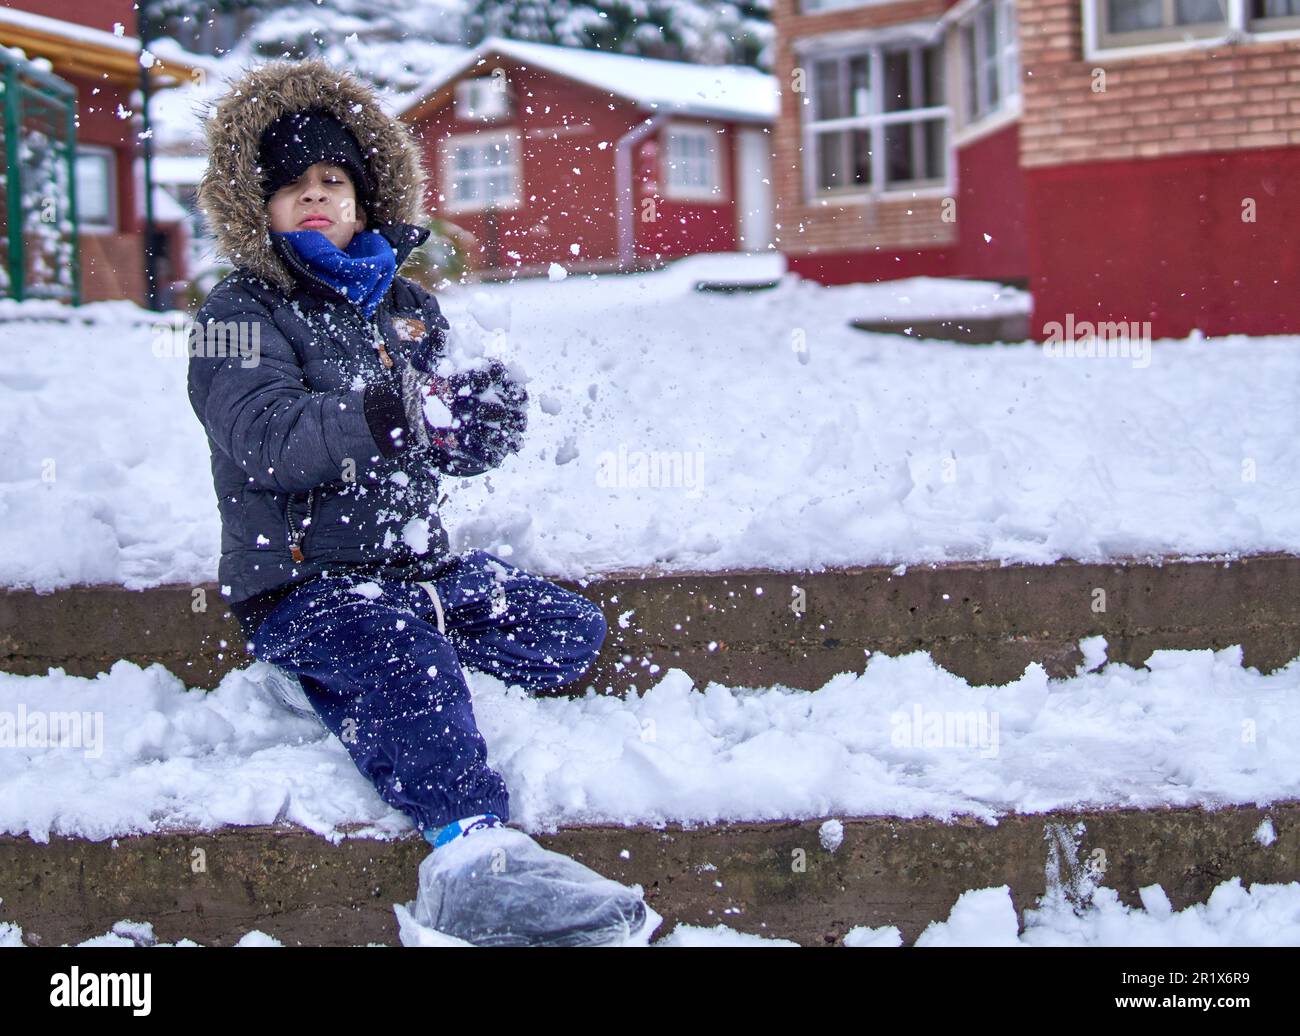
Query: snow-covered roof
{"type": "Point", "coordinates": [166, 52]}
{"type": "Point", "coordinates": [724, 91]}
{"type": "Point", "coordinates": [70, 30]}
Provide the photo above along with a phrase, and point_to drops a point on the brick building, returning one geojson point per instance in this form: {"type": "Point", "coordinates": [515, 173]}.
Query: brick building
{"type": "Point", "coordinates": [1128, 160]}
{"type": "Point", "coordinates": [91, 45]}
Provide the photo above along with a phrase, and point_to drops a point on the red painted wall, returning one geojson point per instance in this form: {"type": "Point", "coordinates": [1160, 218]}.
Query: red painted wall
{"type": "Point", "coordinates": [991, 200]}
{"type": "Point", "coordinates": [874, 265]}
{"type": "Point", "coordinates": [561, 207]}
{"type": "Point", "coordinates": [97, 123]}
{"type": "Point", "coordinates": [1163, 240]}
{"type": "Point", "coordinates": [95, 14]}
{"type": "Point", "coordinates": [686, 227]}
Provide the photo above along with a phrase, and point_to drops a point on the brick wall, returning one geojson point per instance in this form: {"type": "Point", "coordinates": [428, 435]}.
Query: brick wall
{"type": "Point", "coordinates": [1213, 99]}
{"type": "Point", "coordinates": [805, 228]}
{"type": "Point", "coordinates": [112, 267]}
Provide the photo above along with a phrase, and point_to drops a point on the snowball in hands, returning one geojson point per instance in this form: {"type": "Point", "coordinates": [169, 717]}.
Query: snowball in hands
{"type": "Point", "coordinates": [436, 412]}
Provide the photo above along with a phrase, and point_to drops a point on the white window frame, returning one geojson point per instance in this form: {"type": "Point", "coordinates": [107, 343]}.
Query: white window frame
{"type": "Point", "coordinates": [451, 145]}
{"type": "Point", "coordinates": [972, 28]}
{"type": "Point", "coordinates": [876, 121]}
{"type": "Point", "coordinates": [1238, 28]}
{"type": "Point", "coordinates": [672, 167]}
{"type": "Point", "coordinates": [1268, 26]}
{"type": "Point", "coordinates": [114, 219]}
{"type": "Point", "coordinates": [469, 100]}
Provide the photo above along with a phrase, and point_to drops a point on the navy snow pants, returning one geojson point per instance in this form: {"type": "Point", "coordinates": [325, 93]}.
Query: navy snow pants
{"type": "Point", "coordinates": [387, 681]}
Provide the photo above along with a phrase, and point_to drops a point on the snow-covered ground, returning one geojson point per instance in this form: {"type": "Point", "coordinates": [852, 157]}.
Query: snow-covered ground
{"type": "Point", "coordinates": [904, 738]}
{"type": "Point", "coordinates": [1234, 915]}
{"type": "Point", "coordinates": [791, 441]}
{"type": "Point", "coordinates": [683, 430]}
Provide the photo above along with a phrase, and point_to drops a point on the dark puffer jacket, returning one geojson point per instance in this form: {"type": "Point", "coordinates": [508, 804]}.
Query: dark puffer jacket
{"type": "Point", "coordinates": [312, 461]}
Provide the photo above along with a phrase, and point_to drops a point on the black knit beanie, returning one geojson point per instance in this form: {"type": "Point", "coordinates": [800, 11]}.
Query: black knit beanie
{"type": "Point", "coordinates": [295, 141]}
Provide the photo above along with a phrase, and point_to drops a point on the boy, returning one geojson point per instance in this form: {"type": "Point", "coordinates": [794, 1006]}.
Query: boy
{"type": "Point", "coordinates": [327, 453]}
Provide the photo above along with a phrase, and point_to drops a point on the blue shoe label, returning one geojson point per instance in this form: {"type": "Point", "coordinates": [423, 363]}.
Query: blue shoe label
{"type": "Point", "coordinates": [464, 826]}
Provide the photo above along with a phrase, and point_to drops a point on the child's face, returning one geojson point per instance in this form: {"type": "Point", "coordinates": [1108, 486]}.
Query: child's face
{"type": "Point", "coordinates": [323, 191]}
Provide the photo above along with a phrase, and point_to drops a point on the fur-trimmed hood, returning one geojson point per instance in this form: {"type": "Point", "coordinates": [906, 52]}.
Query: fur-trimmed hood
{"type": "Point", "coordinates": [230, 192]}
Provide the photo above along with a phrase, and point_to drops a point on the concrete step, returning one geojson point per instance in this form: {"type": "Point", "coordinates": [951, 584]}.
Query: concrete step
{"type": "Point", "coordinates": [734, 287]}
{"type": "Point", "coordinates": [967, 330]}
{"type": "Point", "coordinates": [981, 620]}
{"type": "Point", "coordinates": [774, 879]}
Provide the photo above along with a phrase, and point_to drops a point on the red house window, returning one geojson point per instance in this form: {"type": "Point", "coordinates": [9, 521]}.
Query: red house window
{"type": "Point", "coordinates": [480, 171]}
{"type": "Point", "coordinates": [692, 163]}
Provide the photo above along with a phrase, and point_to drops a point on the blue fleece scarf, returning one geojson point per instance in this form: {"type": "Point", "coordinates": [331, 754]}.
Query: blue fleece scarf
{"type": "Point", "coordinates": [363, 271]}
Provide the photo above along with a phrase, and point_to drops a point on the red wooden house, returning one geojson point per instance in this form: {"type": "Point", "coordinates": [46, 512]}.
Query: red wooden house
{"type": "Point", "coordinates": [596, 161]}
{"type": "Point", "coordinates": [1130, 160]}
{"type": "Point", "coordinates": [91, 44]}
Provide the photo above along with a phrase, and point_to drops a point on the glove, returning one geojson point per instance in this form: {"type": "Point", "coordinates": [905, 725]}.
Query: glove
{"type": "Point", "coordinates": [488, 420]}
{"type": "Point", "coordinates": [470, 420]}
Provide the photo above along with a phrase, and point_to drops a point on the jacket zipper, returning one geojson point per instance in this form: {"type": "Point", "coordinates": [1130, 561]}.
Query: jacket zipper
{"type": "Point", "coordinates": [299, 535]}
{"type": "Point", "coordinates": [378, 340]}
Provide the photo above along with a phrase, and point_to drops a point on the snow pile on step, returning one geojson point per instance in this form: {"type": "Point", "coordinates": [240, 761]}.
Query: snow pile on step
{"type": "Point", "coordinates": [1261, 915]}
{"type": "Point", "coordinates": [689, 430]}
{"type": "Point", "coordinates": [1234, 915]}
{"type": "Point", "coordinates": [133, 933]}
{"type": "Point", "coordinates": [904, 738]}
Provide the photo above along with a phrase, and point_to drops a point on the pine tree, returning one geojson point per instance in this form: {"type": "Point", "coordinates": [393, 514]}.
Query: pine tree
{"type": "Point", "coordinates": [681, 30]}
{"type": "Point", "coordinates": [537, 21]}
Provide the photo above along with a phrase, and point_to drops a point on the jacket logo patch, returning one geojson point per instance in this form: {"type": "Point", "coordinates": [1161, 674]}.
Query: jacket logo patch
{"type": "Point", "coordinates": [409, 329]}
